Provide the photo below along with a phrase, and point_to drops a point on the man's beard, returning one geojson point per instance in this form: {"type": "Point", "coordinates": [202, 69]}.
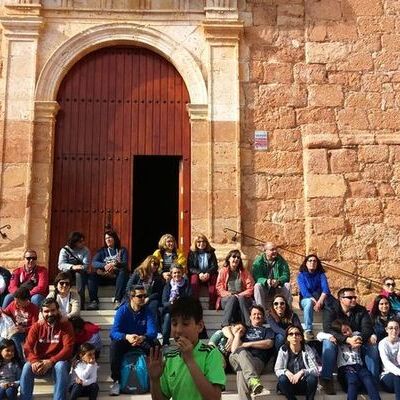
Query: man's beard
{"type": "Point", "coordinates": [52, 319]}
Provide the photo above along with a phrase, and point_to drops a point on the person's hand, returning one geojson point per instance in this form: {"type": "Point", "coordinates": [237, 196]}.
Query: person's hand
{"type": "Point", "coordinates": [289, 375]}
{"type": "Point", "coordinates": [77, 268]}
{"type": "Point", "coordinates": [4, 385]}
{"type": "Point", "coordinates": [228, 344]}
{"type": "Point", "coordinates": [36, 366]}
{"type": "Point", "coordinates": [166, 276]}
{"type": "Point", "coordinates": [298, 376]}
{"type": "Point", "coordinates": [78, 381]}
{"type": "Point", "coordinates": [354, 342]}
{"type": "Point", "coordinates": [333, 339]}
{"type": "Point", "coordinates": [274, 283]}
{"type": "Point", "coordinates": [155, 364]}
{"type": "Point", "coordinates": [138, 340]}
{"type": "Point", "coordinates": [109, 268]}
{"type": "Point", "coordinates": [44, 367]}
{"type": "Point", "coordinates": [318, 306]}
{"type": "Point", "coordinates": [131, 338]}
{"type": "Point", "coordinates": [373, 339]}
{"type": "Point", "coordinates": [21, 329]}
{"type": "Point", "coordinates": [146, 300]}
{"type": "Point", "coordinates": [186, 348]}
{"type": "Point", "coordinates": [240, 330]}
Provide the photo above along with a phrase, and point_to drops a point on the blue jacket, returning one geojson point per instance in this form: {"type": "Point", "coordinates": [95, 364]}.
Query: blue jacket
{"type": "Point", "coordinates": [127, 321]}
{"type": "Point", "coordinates": [313, 284]}
{"type": "Point", "coordinates": [99, 260]}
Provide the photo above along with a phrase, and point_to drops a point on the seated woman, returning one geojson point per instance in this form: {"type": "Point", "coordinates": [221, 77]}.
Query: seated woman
{"type": "Point", "coordinates": [168, 254]}
{"type": "Point", "coordinates": [146, 275]}
{"type": "Point", "coordinates": [389, 352]}
{"type": "Point", "coordinates": [280, 316]}
{"type": "Point", "coordinates": [111, 263]}
{"type": "Point", "coordinates": [203, 268]}
{"type": "Point", "coordinates": [314, 291]}
{"type": "Point", "coordinates": [178, 286]}
{"type": "Point", "coordinates": [389, 291]}
{"type": "Point", "coordinates": [67, 299]}
{"type": "Point", "coordinates": [381, 313]}
{"type": "Point", "coordinates": [296, 366]}
{"type": "Point", "coordinates": [86, 332]}
{"type": "Point", "coordinates": [235, 287]}
{"type": "Point", "coordinates": [74, 257]}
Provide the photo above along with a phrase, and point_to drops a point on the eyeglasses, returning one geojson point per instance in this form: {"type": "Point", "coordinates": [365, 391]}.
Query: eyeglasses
{"type": "Point", "coordinates": [294, 334]}
{"type": "Point", "coordinates": [140, 296]}
{"type": "Point", "coordinates": [279, 303]}
{"type": "Point", "coordinates": [236, 256]}
{"type": "Point", "coordinates": [64, 283]}
{"type": "Point", "coordinates": [349, 297]}
{"type": "Point", "coordinates": [391, 328]}
{"type": "Point", "coordinates": [390, 284]}
{"type": "Point", "coordinates": [31, 258]}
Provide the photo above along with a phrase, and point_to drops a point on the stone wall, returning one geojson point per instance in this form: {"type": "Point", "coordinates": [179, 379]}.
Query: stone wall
{"type": "Point", "coordinates": [322, 77]}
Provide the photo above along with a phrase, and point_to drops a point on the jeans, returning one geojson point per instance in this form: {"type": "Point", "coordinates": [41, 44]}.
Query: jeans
{"type": "Point", "coordinates": [329, 355]}
{"type": "Point", "coordinates": [83, 279]}
{"type": "Point", "coordinates": [391, 384]}
{"type": "Point", "coordinates": [78, 390]}
{"type": "Point", "coordinates": [19, 339]}
{"type": "Point", "coordinates": [36, 299]}
{"type": "Point", "coordinates": [10, 393]}
{"type": "Point", "coordinates": [306, 386]}
{"type": "Point", "coordinates": [308, 310]}
{"type": "Point", "coordinates": [279, 340]}
{"type": "Point", "coordinates": [236, 308]}
{"type": "Point", "coordinates": [120, 283]}
{"type": "Point", "coordinates": [60, 372]}
{"type": "Point", "coordinates": [355, 377]}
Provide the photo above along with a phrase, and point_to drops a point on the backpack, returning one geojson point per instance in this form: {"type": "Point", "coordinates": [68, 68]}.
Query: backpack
{"type": "Point", "coordinates": [134, 374]}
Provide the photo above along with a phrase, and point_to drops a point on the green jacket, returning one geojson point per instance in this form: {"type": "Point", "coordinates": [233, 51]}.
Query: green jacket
{"type": "Point", "coordinates": [280, 270]}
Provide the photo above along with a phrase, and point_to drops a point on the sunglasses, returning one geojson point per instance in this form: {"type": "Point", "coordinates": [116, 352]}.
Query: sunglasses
{"type": "Point", "coordinates": [236, 257]}
{"type": "Point", "coordinates": [64, 283]}
{"type": "Point", "coordinates": [279, 303]}
{"type": "Point", "coordinates": [349, 297]}
{"type": "Point", "coordinates": [294, 334]}
{"type": "Point", "coordinates": [391, 284]}
{"type": "Point", "coordinates": [31, 258]}
{"type": "Point", "coordinates": [139, 296]}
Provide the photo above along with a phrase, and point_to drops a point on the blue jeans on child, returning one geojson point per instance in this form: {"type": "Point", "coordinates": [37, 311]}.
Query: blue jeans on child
{"type": "Point", "coordinates": [60, 372]}
{"type": "Point", "coordinates": [10, 393]}
{"type": "Point", "coordinates": [391, 384]}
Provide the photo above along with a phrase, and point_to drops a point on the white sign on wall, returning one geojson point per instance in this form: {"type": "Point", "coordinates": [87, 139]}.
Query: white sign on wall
{"type": "Point", "coordinates": [260, 140]}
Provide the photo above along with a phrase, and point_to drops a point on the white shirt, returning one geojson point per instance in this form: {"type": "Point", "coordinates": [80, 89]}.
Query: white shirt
{"type": "Point", "coordinates": [389, 353]}
{"type": "Point", "coordinates": [86, 372]}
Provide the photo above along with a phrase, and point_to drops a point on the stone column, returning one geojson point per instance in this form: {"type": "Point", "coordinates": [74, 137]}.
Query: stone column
{"type": "Point", "coordinates": [20, 42]}
{"type": "Point", "coordinates": [223, 85]}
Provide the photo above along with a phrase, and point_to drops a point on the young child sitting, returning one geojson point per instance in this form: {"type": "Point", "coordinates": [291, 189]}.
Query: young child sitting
{"type": "Point", "coordinates": [86, 332]}
{"type": "Point", "coordinates": [84, 373]}
{"type": "Point", "coordinates": [192, 371]}
{"type": "Point", "coordinates": [351, 370]}
{"type": "Point", "coordinates": [10, 370]}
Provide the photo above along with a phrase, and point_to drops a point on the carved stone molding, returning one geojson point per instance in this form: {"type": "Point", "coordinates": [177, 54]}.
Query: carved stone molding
{"type": "Point", "coordinates": [46, 111]}
{"type": "Point", "coordinates": [113, 34]}
{"type": "Point", "coordinates": [198, 112]}
{"type": "Point", "coordinates": [22, 7]}
{"type": "Point", "coordinates": [223, 30]}
{"type": "Point", "coordinates": [22, 27]}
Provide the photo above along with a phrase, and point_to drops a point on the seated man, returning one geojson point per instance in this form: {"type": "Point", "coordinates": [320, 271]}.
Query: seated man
{"type": "Point", "coordinates": [389, 291]}
{"type": "Point", "coordinates": [134, 327]}
{"type": "Point", "coordinates": [358, 319]}
{"type": "Point", "coordinates": [271, 275]}
{"type": "Point", "coordinates": [31, 276]}
{"type": "Point", "coordinates": [251, 350]}
{"type": "Point", "coordinates": [48, 347]}
{"type": "Point", "coordinates": [24, 314]}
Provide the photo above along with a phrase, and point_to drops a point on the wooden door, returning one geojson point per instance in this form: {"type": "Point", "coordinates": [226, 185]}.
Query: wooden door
{"type": "Point", "coordinates": [116, 103]}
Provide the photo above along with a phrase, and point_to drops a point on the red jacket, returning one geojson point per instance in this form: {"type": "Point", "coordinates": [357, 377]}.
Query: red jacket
{"type": "Point", "coordinates": [39, 275]}
{"type": "Point", "coordinates": [24, 317]}
{"type": "Point", "coordinates": [222, 282]}
{"type": "Point", "coordinates": [47, 342]}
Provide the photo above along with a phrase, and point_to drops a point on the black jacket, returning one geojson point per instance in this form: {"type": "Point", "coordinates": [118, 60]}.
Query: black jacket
{"type": "Point", "coordinates": [359, 320]}
{"type": "Point", "coordinates": [193, 262]}
{"type": "Point", "coordinates": [156, 287]}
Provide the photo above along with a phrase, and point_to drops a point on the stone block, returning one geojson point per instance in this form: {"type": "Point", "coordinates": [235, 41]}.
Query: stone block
{"type": "Point", "coordinates": [348, 80]}
{"type": "Point", "coordinates": [225, 204]}
{"type": "Point", "coordinates": [294, 233]}
{"type": "Point", "coordinates": [370, 25]}
{"type": "Point", "coordinates": [223, 151]}
{"type": "Point", "coordinates": [311, 115]}
{"type": "Point", "coordinates": [200, 204]}
{"type": "Point", "coordinates": [391, 42]}
{"type": "Point", "coordinates": [224, 177]}
{"type": "Point", "coordinates": [385, 190]}
{"type": "Point", "coordinates": [362, 189]}
{"type": "Point", "coordinates": [363, 207]}
{"type": "Point", "coordinates": [316, 32]}
{"type": "Point", "coordinates": [276, 118]}
{"type": "Point", "coordinates": [372, 154]}
{"type": "Point", "coordinates": [310, 73]}
{"type": "Point", "coordinates": [321, 140]}
{"type": "Point", "coordinates": [325, 95]}
{"type": "Point", "coordinates": [328, 226]}
{"type": "Point", "coordinates": [286, 187]}
{"type": "Point", "coordinates": [224, 131]}
{"type": "Point", "coordinates": [325, 185]}
{"type": "Point", "coordinates": [277, 73]}
{"type": "Point", "coordinates": [286, 140]}
{"type": "Point", "coordinates": [275, 162]}
{"type": "Point", "coordinates": [356, 137]}
{"type": "Point", "coordinates": [276, 95]}
{"type": "Point", "coordinates": [322, 53]}
{"type": "Point", "coordinates": [352, 118]}
{"type": "Point", "coordinates": [363, 100]}
{"type": "Point", "coordinates": [255, 186]}
{"type": "Point", "coordinates": [14, 176]}
{"type": "Point", "coordinates": [343, 160]}
{"type": "Point", "coordinates": [319, 129]}
{"type": "Point", "coordinates": [360, 61]}
{"type": "Point", "coordinates": [316, 161]}
{"type": "Point", "coordinates": [342, 31]}
{"type": "Point", "coordinates": [332, 207]}
{"type": "Point", "coordinates": [323, 10]}
{"type": "Point", "coordinates": [386, 61]}
{"type": "Point", "coordinates": [325, 246]}
{"type": "Point", "coordinates": [388, 119]}
{"type": "Point", "coordinates": [379, 172]}
{"type": "Point", "coordinates": [366, 7]}
{"type": "Point", "coordinates": [392, 207]}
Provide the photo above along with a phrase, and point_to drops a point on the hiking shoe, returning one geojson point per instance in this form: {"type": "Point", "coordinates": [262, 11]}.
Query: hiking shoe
{"type": "Point", "coordinates": [114, 389]}
{"type": "Point", "coordinates": [308, 336]}
{"type": "Point", "coordinates": [94, 305]}
{"type": "Point", "coordinates": [255, 385]}
{"type": "Point", "coordinates": [262, 394]}
{"type": "Point", "coordinates": [328, 386]}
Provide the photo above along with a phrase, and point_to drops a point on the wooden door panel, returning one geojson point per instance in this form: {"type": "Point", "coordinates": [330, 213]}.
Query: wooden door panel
{"type": "Point", "coordinates": [115, 103]}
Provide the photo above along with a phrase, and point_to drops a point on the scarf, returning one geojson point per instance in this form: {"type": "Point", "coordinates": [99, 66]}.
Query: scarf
{"type": "Point", "coordinates": [175, 286]}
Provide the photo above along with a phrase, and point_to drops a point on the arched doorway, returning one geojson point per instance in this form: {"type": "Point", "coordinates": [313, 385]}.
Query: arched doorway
{"type": "Point", "coordinates": [122, 132]}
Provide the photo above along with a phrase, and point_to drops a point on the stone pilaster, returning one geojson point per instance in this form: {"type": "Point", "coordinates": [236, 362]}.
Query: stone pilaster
{"type": "Point", "coordinates": [223, 85]}
{"type": "Point", "coordinates": [20, 43]}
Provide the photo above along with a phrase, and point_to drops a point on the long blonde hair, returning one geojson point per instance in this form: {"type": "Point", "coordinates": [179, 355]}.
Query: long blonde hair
{"type": "Point", "coordinates": [200, 236]}
{"type": "Point", "coordinates": [144, 269]}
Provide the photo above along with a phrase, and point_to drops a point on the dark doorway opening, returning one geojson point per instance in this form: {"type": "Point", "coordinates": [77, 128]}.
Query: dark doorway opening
{"type": "Point", "coordinates": [155, 203]}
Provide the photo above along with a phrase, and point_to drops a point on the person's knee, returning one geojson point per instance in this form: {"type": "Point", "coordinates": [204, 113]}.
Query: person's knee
{"type": "Point", "coordinates": [312, 380]}
{"type": "Point", "coordinates": [328, 346]}
{"type": "Point", "coordinates": [283, 380]}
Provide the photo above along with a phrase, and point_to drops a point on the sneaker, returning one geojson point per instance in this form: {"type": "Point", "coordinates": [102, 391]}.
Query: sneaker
{"type": "Point", "coordinates": [260, 396]}
{"type": "Point", "coordinates": [94, 305]}
{"type": "Point", "coordinates": [255, 385]}
{"type": "Point", "coordinates": [308, 336]}
{"type": "Point", "coordinates": [114, 389]}
{"type": "Point", "coordinates": [328, 386]}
